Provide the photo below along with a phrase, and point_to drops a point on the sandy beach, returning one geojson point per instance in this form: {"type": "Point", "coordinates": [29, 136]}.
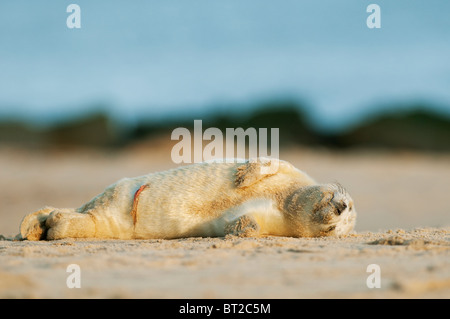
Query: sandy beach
{"type": "Point", "coordinates": [403, 226]}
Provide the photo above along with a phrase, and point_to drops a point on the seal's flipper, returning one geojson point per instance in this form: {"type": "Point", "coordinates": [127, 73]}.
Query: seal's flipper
{"type": "Point", "coordinates": [33, 225]}
{"type": "Point", "coordinates": [255, 170]}
{"type": "Point", "coordinates": [244, 226]}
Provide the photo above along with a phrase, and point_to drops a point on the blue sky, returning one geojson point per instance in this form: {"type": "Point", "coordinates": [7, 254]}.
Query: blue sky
{"type": "Point", "coordinates": [154, 59]}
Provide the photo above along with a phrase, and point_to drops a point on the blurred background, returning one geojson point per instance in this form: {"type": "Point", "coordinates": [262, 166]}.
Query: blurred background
{"type": "Point", "coordinates": [81, 108]}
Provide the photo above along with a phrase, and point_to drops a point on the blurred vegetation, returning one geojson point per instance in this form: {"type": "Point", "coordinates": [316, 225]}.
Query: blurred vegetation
{"type": "Point", "coordinates": [415, 129]}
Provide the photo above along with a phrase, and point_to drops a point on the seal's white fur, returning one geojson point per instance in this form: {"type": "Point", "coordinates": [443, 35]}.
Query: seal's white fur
{"type": "Point", "coordinates": [204, 199]}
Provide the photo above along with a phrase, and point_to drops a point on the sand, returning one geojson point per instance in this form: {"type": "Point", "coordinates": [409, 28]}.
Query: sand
{"type": "Point", "coordinates": [403, 226]}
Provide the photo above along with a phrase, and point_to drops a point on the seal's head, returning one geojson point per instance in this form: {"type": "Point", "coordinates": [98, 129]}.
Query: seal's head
{"type": "Point", "coordinates": [321, 210]}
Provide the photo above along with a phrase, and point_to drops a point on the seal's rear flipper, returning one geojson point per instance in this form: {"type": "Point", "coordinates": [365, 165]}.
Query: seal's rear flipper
{"type": "Point", "coordinates": [33, 225]}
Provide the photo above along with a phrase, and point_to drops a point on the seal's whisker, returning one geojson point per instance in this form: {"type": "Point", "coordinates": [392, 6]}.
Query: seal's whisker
{"type": "Point", "coordinates": [340, 189]}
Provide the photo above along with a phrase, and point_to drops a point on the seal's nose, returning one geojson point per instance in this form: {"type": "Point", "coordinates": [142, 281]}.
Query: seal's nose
{"type": "Point", "coordinates": [340, 207]}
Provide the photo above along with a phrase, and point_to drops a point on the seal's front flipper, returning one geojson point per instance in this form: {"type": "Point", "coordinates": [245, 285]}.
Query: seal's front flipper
{"type": "Point", "coordinates": [33, 225]}
{"type": "Point", "coordinates": [254, 170]}
{"type": "Point", "coordinates": [244, 226]}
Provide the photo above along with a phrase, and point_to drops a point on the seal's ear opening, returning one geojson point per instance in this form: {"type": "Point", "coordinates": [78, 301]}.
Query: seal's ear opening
{"type": "Point", "coordinates": [255, 170]}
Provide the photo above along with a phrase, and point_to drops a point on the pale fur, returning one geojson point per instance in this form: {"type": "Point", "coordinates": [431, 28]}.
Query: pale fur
{"type": "Point", "coordinates": [204, 199]}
